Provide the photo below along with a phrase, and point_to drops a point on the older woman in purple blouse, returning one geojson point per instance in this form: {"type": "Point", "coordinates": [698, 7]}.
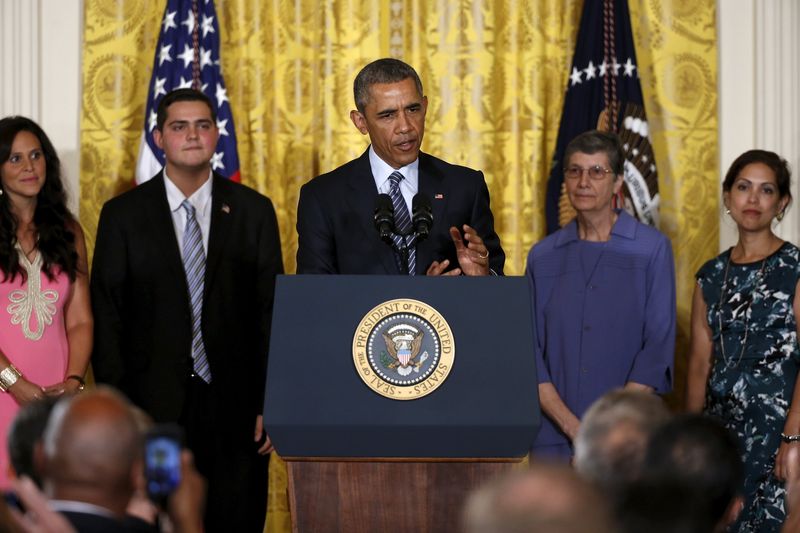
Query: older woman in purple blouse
{"type": "Point", "coordinates": [603, 289]}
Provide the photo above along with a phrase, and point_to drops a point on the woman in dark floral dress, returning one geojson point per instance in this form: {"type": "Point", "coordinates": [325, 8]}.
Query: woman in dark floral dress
{"type": "Point", "coordinates": [743, 361]}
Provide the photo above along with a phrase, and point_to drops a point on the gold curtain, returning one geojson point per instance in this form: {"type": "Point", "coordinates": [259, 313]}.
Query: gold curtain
{"type": "Point", "coordinates": [494, 72]}
{"type": "Point", "coordinates": [676, 45]}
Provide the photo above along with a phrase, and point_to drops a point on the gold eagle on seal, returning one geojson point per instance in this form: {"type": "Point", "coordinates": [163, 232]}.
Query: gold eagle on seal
{"type": "Point", "coordinates": [404, 347]}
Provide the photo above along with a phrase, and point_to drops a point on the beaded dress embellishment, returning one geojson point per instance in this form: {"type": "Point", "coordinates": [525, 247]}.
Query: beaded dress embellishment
{"type": "Point", "coordinates": [32, 301]}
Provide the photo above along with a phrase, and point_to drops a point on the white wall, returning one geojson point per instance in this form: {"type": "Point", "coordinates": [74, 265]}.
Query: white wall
{"type": "Point", "coordinates": [759, 91]}
{"type": "Point", "coordinates": [40, 61]}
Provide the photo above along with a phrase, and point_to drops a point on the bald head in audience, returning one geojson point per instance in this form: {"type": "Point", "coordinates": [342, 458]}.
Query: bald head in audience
{"type": "Point", "coordinates": [546, 499]}
{"type": "Point", "coordinates": [613, 437]}
{"type": "Point", "coordinates": [92, 450]}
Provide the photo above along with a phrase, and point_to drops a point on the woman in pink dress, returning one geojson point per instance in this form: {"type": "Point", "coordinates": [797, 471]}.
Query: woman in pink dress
{"type": "Point", "coordinates": [45, 314]}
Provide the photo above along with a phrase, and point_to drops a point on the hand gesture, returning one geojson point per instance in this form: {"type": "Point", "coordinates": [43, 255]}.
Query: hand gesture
{"type": "Point", "coordinates": [473, 257]}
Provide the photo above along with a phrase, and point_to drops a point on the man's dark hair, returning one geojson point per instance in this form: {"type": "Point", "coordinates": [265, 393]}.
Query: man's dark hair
{"type": "Point", "coordinates": [387, 70]}
{"type": "Point", "coordinates": [662, 507]}
{"type": "Point", "coordinates": [25, 431]}
{"type": "Point", "coordinates": [181, 95]}
{"type": "Point", "coordinates": [594, 141]}
{"type": "Point", "coordinates": [701, 455]}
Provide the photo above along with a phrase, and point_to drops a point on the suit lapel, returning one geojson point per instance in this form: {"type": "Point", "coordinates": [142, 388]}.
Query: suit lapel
{"type": "Point", "coordinates": [163, 229]}
{"type": "Point", "coordinates": [361, 201]}
{"type": "Point", "coordinates": [431, 184]}
{"type": "Point", "coordinates": [222, 212]}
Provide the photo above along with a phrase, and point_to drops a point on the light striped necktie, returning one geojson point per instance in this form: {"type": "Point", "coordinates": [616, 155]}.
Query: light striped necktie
{"type": "Point", "coordinates": [194, 264]}
{"type": "Point", "coordinates": [402, 224]}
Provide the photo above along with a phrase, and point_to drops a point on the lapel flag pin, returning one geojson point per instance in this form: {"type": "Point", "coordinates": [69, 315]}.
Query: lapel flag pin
{"type": "Point", "coordinates": [226, 209]}
{"type": "Point", "coordinates": [438, 196]}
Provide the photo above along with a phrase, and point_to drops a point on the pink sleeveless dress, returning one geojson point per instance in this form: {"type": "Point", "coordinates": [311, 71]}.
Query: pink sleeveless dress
{"type": "Point", "coordinates": [33, 337]}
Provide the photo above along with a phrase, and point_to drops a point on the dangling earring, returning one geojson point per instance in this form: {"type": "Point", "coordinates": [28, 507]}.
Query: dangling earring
{"type": "Point", "coordinates": [779, 216]}
{"type": "Point", "coordinates": [727, 211]}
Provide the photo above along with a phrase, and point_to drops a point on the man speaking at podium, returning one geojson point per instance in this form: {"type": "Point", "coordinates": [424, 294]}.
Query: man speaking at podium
{"type": "Point", "coordinates": [396, 210]}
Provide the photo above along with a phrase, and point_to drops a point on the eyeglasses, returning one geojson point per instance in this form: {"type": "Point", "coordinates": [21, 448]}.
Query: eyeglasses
{"type": "Point", "coordinates": [596, 172]}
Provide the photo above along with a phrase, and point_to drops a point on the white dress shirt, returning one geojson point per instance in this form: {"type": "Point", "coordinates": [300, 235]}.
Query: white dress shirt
{"type": "Point", "coordinates": [381, 171]}
{"type": "Point", "coordinates": [71, 506]}
{"type": "Point", "coordinates": [201, 200]}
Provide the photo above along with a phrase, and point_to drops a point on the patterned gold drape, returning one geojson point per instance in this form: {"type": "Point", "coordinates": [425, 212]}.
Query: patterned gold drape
{"type": "Point", "coordinates": [494, 72]}
{"type": "Point", "coordinates": [676, 44]}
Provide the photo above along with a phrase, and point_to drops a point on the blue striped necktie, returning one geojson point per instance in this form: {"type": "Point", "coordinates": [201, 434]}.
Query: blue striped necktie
{"type": "Point", "coordinates": [194, 264]}
{"type": "Point", "coordinates": [402, 224]}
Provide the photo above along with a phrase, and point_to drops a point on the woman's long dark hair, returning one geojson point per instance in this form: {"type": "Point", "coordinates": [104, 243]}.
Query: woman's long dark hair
{"type": "Point", "coordinates": [56, 242]}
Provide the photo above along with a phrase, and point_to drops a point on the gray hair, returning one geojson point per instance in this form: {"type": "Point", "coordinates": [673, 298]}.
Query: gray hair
{"type": "Point", "coordinates": [542, 499]}
{"type": "Point", "coordinates": [613, 436]}
{"type": "Point", "coordinates": [386, 70]}
{"type": "Point", "coordinates": [594, 141]}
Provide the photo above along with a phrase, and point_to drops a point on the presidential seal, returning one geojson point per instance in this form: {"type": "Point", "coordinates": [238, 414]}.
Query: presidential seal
{"type": "Point", "coordinates": [403, 349]}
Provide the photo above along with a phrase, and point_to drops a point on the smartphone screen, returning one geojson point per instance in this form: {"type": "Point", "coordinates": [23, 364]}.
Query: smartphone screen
{"type": "Point", "coordinates": [162, 461]}
{"type": "Point", "coordinates": [12, 500]}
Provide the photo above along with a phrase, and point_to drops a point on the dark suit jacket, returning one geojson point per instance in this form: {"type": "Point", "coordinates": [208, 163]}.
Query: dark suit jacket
{"type": "Point", "coordinates": [336, 234]}
{"type": "Point", "coordinates": [142, 318]}
{"type": "Point", "coordinates": [93, 523]}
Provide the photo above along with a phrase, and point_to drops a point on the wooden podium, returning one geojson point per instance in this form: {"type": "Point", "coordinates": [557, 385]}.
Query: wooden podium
{"type": "Point", "coordinates": [384, 494]}
{"type": "Point", "coordinates": [359, 461]}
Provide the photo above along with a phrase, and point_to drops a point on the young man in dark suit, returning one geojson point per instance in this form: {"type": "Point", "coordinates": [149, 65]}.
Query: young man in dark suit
{"type": "Point", "coordinates": [182, 288]}
{"type": "Point", "coordinates": [336, 233]}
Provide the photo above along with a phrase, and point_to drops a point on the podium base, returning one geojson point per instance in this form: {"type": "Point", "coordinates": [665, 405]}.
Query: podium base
{"type": "Point", "coordinates": [385, 494]}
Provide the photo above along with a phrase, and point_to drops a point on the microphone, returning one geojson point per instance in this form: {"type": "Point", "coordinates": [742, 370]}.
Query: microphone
{"type": "Point", "coordinates": [384, 217]}
{"type": "Point", "coordinates": [422, 218]}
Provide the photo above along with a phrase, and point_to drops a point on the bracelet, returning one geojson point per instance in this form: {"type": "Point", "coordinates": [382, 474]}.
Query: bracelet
{"type": "Point", "coordinates": [81, 382]}
{"type": "Point", "coordinates": [790, 438]}
{"type": "Point", "coordinates": [8, 377]}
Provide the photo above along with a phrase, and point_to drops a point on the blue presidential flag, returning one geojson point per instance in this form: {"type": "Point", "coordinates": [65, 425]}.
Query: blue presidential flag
{"type": "Point", "coordinates": [604, 92]}
{"type": "Point", "coordinates": [187, 56]}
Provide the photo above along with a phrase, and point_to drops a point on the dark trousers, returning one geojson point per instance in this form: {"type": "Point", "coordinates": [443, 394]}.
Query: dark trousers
{"type": "Point", "coordinates": [228, 459]}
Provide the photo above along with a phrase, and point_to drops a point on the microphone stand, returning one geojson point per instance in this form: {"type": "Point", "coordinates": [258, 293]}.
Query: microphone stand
{"type": "Point", "coordinates": [402, 251]}
{"type": "Point", "coordinates": [420, 226]}
{"type": "Point", "coordinates": [421, 221]}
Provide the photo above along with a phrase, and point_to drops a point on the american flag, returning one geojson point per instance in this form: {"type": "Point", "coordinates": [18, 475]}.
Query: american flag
{"type": "Point", "coordinates": [604, 92]}
{"type": "Point", "coordinates": [187, 56]}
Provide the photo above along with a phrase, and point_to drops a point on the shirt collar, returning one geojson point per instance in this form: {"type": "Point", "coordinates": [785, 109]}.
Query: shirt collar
{"type": "Point", "coordinates": [198, 199]}
{"type": "Point", "coordinates": [381, 170]}
{"type": "Point", "coordinates": [625, 226]}
{"type": "Point", "coordinates": [80, 507]}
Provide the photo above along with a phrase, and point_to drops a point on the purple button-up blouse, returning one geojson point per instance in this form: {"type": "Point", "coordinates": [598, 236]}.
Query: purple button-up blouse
{"type": "Point", "coordinates": [619, 326]}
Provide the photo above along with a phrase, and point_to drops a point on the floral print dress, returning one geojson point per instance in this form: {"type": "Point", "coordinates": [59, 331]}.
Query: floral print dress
{"type": "Point", "coordinates": [754, 368]}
